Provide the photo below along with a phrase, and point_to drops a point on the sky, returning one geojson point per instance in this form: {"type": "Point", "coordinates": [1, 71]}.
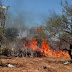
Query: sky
{"type": "Point", "coordinates": [33, 12]}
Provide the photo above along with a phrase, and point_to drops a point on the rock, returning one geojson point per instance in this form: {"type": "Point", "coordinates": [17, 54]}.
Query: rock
{"type": "Point", "coordinates": [10, 65]}
{"type": "Point", "coordinates": [44, 67]}
{"type": "Point", "coordinates": [67, 62]}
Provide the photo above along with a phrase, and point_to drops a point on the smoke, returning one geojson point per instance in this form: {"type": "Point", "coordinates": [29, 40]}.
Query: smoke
{"type": "Point", "coordinates": [17, 17]}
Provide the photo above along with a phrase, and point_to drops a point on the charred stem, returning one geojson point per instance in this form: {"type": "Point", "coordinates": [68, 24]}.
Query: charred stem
{"type": "Point", "coordinates": [69, 51]}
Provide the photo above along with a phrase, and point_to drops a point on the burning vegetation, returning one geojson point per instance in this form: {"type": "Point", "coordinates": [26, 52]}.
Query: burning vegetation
{"type": "Point", "coordinates": [45, 49]}
{"type": "Point", "coordinates": [11, 39]}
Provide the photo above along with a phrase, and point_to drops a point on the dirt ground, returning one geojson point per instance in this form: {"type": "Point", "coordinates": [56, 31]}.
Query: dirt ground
{"type": "Point", "coordinates": [36, 65]}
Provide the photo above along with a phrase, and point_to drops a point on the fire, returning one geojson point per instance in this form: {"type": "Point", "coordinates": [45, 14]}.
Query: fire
{"type": "Point", "coordinates": [32, 45]}
{"type": "Point", "coordinates": [40, 29]}
{"type": "Point", "coordinates": [45, 49]}
{"type": "Point", "coordinates": [50, 53]}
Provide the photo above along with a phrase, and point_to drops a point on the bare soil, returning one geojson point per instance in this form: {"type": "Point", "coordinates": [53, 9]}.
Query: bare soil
{"type": "Point", "coordinates": [35, 65]}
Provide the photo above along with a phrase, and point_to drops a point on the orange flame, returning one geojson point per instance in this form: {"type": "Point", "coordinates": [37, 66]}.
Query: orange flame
{"type": "Point", "coordinates": [50, 53]}
{"type": "Point", "coordinates": [40, 29]}
{"type": "Point", "coordinates": [45, 49]}
{"type": "Point", "coordinates": [32, 45]}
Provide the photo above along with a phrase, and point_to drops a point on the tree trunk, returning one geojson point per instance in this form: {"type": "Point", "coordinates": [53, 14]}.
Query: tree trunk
{"type": "Point", "coordinates": [69, 51]}
{"type": "Point", "coordinates": [0, 47]}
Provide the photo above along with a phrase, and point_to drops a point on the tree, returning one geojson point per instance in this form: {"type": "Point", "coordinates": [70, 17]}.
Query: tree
{"type": "Point", "coordinates": [54, 25]}
{"type": "Point", "coordinates": [67, 19]}
{"type": "Point", "coordinates": [3, 10]}
{"type": "Point", "coordinates": [61, 25]}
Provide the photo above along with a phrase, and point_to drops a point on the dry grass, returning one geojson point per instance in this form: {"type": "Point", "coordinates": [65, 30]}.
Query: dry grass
{"type": "Point", "coordinates": [36, 65]}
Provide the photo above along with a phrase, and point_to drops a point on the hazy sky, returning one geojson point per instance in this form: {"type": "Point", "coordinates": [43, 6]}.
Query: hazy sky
{"type": "Point", "coordinates": [35, 11]}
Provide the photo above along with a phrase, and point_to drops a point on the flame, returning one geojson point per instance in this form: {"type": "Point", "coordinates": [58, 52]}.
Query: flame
{"type": "Point", "coordinates": [50, 53]}
{"type": "Point", "coordinates": [40, 29]}
{"type": "Point", "coordinates": [45, 49]}
{"type": "Point", "coordinates": [32, 45]}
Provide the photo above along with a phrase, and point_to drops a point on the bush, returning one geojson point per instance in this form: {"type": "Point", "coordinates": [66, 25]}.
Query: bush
{"type": "Point", "coordinates": [6, 51]}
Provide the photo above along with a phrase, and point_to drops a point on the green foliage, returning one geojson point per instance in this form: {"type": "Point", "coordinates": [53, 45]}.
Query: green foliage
{"type": "Point", "coordinates": [1, 34]}
{"type": "Point", "coordinates": [1, 37]}
{"type": "Point", "coordinates": [1, 29]}
{"type": "Point", "coordinates": [54, 25]}
{"type": "Point", "coordinates": [6, 8]}
{"type": "Point", "coordinates": [6, 51]}
{"type": "Point", "coordinates": [67, 17]}
{"type": "Point", "coordinates": [2, 22]}
{"type": "Point", "coordinates": [60, 24]}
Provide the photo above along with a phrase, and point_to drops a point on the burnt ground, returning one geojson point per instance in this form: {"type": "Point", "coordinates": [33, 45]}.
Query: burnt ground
{"type": "Point", "coordinates": [35, 65]}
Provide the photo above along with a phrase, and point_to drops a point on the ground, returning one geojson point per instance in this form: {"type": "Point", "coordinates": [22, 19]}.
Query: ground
{"type": "Point", "coordinates": [36, 65]}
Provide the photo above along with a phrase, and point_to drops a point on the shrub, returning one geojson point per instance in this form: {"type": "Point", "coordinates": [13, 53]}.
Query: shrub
{"type": "Point", "coordinates": [6, 51]}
